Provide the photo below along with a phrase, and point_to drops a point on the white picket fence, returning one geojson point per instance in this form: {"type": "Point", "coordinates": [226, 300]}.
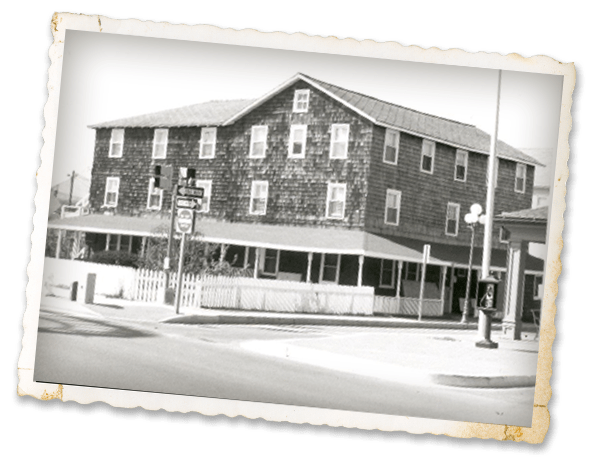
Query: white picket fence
{"type": "Point", "coordinates": [221, 292]}
{"type": "Point", "coordinates": [385, 305]}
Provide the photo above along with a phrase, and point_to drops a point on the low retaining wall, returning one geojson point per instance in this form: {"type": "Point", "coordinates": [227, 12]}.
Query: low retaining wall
{"type": "Point", "coordinates": [112, 280]}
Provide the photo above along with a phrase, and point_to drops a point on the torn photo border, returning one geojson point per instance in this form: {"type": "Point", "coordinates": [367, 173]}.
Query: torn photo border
{"type": "Point", "coordinates": [278, 412]}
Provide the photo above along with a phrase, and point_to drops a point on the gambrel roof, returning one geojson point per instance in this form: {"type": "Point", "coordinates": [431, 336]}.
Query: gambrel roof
{"type": "Point", "coordinates": [221, 113]}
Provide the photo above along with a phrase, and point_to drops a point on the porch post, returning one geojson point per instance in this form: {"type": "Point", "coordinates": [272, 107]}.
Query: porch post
{"type": "Point", "coordinates": [399, 275]}
{"type": "Point", "coordinates": [443, 292]}
{"type": "Point", "coordinates": [223, 249]}
{"type": "Point", "coordinates": [107, 241]}
{"type": "Point", "coordinates": [512, 321]}
{"type": "Point", "coordinates": [452, 281]}
{"type": "Point", "coordinates": [143, 248]}
{"type": "Point", "coordinates": [309, 268]}
{"type": "Point", "coordinates": [360, 269]}
{"type": "Point", "coordinates": [257, 250]}
{"type": "Point", "coordinates": [246, 259]}
{"type": "Point", "coordinates": [59, 246]}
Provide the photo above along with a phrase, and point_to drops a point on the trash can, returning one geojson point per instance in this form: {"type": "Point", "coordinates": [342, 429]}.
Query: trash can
{"type": "Point", "coordinates": [89, 296]}
{"type": "Point", "coordinates": [74, 291]}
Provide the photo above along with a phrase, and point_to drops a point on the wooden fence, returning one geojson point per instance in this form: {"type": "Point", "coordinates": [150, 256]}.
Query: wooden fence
{"type": "Point", "coordinates": [221, 292]}
{"type": "Point", "coordinates": [406, 306]}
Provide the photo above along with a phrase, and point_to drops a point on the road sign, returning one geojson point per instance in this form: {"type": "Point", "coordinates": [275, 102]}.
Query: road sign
{"type": "Point", "coordinates": [193, 192]}
{"type": "Point", "coordinates": [184, 221]}
{"type": "Point", "coordinates": [187, 202]}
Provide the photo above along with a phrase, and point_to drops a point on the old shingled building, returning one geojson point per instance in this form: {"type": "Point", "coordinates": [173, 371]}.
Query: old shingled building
{"type": "Point", "coordinates": [313, 183]}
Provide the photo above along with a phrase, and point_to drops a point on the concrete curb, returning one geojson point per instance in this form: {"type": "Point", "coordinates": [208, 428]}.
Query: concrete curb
{"type": "Point", "coordinates": [382, 370]}
{"type": "Point", "coordinates": [301, 319]}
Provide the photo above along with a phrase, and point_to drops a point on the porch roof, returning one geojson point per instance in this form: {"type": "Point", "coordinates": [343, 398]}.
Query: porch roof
{"type": "Point", "coordinates": [295, 238]}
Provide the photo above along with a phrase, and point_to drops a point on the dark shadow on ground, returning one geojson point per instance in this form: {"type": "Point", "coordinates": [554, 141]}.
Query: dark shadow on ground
{"type": "Point", "coordinates": [86, 326]}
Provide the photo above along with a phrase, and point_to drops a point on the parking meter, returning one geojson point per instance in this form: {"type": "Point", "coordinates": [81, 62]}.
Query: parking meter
{"type": "Point", "coordinates": [487, 294]}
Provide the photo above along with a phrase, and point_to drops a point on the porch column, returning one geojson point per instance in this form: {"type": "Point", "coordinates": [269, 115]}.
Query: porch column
{"type": "Point", "coordinates": [309, 268]}
{"type": "Point", "coordinates": [223, 249]}
{"type": "Point", "coordinates": [107, 241]}
{"type": "Point", "coordinates": [246, 259]}
{"type": "Point", "coordinates": [360, 269]}
{"type": "Point", "coordinates": [452, 281]}
{"type": "Point", "coordinates": [256, 268]}
{"type": "Point", "coordinates": [444, 270]}
{"type": "Point", "coordinates": [512, 321]}
{"type": "Point", "coordinates": [399, 276]}
{"type": "Point", "coordinates": [59, 246]}
{"type": "Point", "coordinates": [143, 248]}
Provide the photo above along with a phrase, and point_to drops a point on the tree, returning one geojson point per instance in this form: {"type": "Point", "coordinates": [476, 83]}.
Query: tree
{"type": "Point", "coordinates": [199, 257]}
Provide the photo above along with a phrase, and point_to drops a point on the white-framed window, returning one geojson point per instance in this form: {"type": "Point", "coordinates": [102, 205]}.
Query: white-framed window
{"type": "Point", "coordinates": [297, 147]}
{"type": "Point", "coordinates": [428, 154]}
{"type": "Point", "coordinates": [258, 141]}
{"type": "Point", "coordinates": [387, 274]}
{"type": "Point", "coordinates": [520, 182]}
{"type": "Point", "coordinates": [160, 142]}
{"type": "Point", "coordinates": [154, 196]}
{"type": "Point", "coordinates": [504, 235]}
{"type": "Point", "coordinates": [207, 143]}
{"type": "Point", "coordinates": [336, 201]}
{"type": "Point", "coordinates": [258, 203]}
{"type": "Point", "coordinates": [461, 165]}
{"type": "Point", "coordinates": [116, 143]}
{"type": "Point", "coordinates": [339, 141]}
{"type": "Point", "coordinates": [301, 98]}
{"type": "Point", "coordinates": [452, 217]}
{"type": "Point", "coordinates": [392, 207]}
{"type": "Point", "coordinates": [271, 262]}
{"type": "Point", "coordinates": [330, 265]}
{"type": "Point", "coordinates": [391, 146]}
{"type": "Point", "coordinates": [111, 192]}
{"type": "Point", "coordinates": [412, 271]}
{"type": "Point", "coordinates": [205, 201]}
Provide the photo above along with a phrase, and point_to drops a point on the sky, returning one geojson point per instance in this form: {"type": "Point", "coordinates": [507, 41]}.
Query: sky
{"type": "Point", "coordinates": [110, 76]}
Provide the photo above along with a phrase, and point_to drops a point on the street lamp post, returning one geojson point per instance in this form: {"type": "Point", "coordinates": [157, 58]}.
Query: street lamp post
{"type": "Point", "coordinates": [472, 218]}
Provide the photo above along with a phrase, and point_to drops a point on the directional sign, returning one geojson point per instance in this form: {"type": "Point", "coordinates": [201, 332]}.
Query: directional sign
{"type": "Point", "coordinates": [184, 221]}
{"type": "Point", "coordinates": [187, 202]}
{"type": "Point", "coordinates": [193, 192]}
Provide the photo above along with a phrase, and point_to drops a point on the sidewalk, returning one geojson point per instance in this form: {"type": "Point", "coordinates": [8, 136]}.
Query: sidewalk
{"type": "Point", "coordinates": [412, 354]}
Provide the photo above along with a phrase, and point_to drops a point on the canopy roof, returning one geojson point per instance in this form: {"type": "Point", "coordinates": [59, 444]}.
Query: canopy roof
{"type": "Point", "coordinates": [294, 238]}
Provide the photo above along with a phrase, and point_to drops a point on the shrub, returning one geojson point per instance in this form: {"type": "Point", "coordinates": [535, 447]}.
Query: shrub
{"type": "Point", "coordinates": [114, 257]}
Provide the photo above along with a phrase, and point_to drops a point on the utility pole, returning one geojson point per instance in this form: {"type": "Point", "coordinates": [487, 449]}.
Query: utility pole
{"type": "Point", "coordinates": [167, 260]}
{"type": "Point", "coordinates": [72, 177]}
{"type": "Point", "coordinates": [485, 317]}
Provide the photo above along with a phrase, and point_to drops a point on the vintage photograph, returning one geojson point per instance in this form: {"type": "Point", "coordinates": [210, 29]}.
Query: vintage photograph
{"type": "Point", "coordinates": [297, 228]}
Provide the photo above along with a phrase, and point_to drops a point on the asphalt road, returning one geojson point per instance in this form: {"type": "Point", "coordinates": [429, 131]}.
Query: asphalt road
{"type": "Point", "coordinates": [208, 361]}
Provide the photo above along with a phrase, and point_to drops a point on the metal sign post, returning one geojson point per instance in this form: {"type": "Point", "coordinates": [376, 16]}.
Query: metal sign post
{"type": "Point", "coordinates": [180, 274]}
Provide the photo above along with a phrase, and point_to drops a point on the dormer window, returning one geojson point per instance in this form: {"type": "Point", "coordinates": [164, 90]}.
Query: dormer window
{"type": "Point", "coordinates": [301, 97]}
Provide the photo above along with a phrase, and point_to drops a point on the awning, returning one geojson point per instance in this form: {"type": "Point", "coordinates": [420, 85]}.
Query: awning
{"type": "Point", "coordinates": [294, 238]}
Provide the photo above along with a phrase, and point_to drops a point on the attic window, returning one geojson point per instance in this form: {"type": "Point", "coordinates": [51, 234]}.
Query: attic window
{"type": "Point", "coordinates": [301, 97]}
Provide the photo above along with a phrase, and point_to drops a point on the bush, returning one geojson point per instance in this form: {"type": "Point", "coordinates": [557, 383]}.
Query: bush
{"type": "Point", "coordinates": [114, 257]}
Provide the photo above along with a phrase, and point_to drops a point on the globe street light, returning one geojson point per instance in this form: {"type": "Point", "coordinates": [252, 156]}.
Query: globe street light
{"type": "Point", "coordinates": [472, 218]}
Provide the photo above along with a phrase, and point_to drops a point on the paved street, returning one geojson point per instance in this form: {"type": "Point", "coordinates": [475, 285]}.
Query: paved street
{"type": "Point", "coordinates": [104, 349]}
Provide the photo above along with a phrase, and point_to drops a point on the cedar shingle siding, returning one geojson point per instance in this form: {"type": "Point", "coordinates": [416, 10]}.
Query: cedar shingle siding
{"type": "Point", "coordinates": [298, 187]}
